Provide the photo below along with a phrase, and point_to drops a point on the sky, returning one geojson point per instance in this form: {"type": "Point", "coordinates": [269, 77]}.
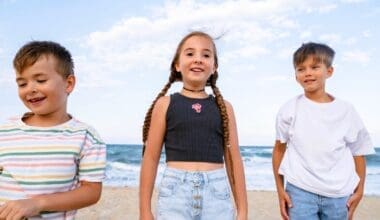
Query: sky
{"type": "Point", "coordinates": [122, 51]}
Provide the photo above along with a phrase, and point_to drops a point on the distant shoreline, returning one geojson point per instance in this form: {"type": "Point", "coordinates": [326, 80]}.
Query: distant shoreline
{"type": "Point", "coordinates": [267, 146]}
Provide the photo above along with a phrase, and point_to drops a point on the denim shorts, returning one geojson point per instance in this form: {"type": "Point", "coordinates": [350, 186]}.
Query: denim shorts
{"type": "Point", "coordinates": [307, 205]}
{"type": "Point", "coordinates": [185, 195]}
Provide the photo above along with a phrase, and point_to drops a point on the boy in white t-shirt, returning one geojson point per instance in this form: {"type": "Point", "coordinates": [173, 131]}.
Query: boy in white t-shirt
{"type": "Point", "coordinates": [320, 145]}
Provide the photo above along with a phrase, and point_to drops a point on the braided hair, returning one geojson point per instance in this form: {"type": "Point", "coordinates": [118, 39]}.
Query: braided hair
{"type": "Point", "coordinates": [176, 76]}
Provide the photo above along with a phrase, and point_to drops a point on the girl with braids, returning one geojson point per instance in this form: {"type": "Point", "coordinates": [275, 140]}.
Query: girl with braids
{"type": "Point", "coordinates": [200, 135]}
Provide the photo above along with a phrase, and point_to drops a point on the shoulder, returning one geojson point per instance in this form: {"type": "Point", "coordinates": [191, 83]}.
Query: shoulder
{"type": "Point", "coordinates": [228, 104]}
{"type": "Point", "coordinates": [163, 100]}
{"type": "Point", "coordinates": [91, 132]}
{"type": "Point", "coordinates": [343, 103]}
{"type": "Point", "coordinates": [290, 105]}
{"type": "Point", "coordinates": [229, 107]}
{"type": "Point", "coordinates": [11, 122]}
{"type": "Point", "coordinates": [162, 103]}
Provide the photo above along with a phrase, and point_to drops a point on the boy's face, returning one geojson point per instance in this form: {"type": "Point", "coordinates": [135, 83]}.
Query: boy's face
{"type": "Point", "coordinates": [43, 90]}
{"type": "Point", "coordinates": [312, 75]}
{"type": "Point", "coordinates": [196, 60]}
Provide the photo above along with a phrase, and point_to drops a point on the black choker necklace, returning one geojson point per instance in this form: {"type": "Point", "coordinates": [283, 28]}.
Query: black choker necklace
{"type": "Point", "coordinates": [193, 90]}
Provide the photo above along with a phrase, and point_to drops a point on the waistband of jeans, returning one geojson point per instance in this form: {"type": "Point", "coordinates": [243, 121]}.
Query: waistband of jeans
{"type": "Point", "coordinates": [191, 176]}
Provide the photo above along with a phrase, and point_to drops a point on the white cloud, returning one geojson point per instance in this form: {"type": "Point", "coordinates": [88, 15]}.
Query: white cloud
{"type": "Point", "coordinates": [144, 44]}
{"type": "Point", "coordinates": [285, 53]}
{"type": "Point", "coordinates": [356, 56]}
{"type": "Point", "coordinates": [353, 1]}
{"type": "Point", "coordinates": [331, 38]}
{"type": "Point", "coordinates": [367, 34]}
{"type": "Point", "coordinates": [305, 34]}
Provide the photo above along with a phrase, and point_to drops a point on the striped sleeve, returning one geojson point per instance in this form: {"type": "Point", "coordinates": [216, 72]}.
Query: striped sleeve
{"type": "Point", "coordinates": [92, 158]}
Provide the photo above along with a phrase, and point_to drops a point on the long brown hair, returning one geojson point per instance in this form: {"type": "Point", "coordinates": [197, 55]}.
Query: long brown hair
{"type": "Point", "coordinates": [176, 76]}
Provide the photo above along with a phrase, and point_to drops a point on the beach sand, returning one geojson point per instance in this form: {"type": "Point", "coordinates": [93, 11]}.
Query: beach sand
{"type": "Point", "coordinates": [122, 204]}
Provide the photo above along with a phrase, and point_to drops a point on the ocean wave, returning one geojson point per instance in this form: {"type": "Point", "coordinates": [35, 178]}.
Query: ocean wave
{"type": "Point", "coordinates": [123, 168]}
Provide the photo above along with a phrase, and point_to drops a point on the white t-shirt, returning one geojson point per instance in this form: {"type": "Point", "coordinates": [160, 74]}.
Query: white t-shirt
{"type": "Point", "coordinates": [322, 139]}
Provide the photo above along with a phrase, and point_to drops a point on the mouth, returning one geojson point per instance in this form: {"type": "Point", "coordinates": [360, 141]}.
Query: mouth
{"type": "Point", "coordinates": [36, 100]}
{"type": "Point", "coordinates": [197, 69]}
{"type": "Point", "coordinates": [309, 81]}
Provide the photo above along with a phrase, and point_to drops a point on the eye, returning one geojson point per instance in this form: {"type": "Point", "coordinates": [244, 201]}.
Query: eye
{"type": "Point", "coordinates": [207, 55]}
{"type": "Point", "coordinates": [21, 85]}
{"type": "Point", "coordinates": [300, 69]}
{"type": "Point", "coordinates": [41, 80]}
{"type": "Point", "coordinates": [189, 54]}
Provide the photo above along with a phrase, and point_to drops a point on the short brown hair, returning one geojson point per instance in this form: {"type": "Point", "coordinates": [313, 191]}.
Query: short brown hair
{"type": "Point", "coordinates": [28, 54]}
{"type": "Point", "coordinates": [320, 52]}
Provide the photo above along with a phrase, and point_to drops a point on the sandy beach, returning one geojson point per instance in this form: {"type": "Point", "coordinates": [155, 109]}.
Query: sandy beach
{"type": "Point", "coordinates": [122, 204]}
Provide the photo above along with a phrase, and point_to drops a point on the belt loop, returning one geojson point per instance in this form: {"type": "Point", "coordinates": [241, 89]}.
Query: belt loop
{"type": "Point", "coordinates": [205, 177]}
{"type": "Point", "coordinates": [183, 176]}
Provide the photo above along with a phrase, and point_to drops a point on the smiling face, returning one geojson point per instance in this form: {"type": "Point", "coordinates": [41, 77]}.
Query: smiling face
{"type": "Point", "coordinates": [196, 61]}
{"type": "Point", "coordinates": [312, 75]}
{"type": "Point", "coordinates": [44, 91]}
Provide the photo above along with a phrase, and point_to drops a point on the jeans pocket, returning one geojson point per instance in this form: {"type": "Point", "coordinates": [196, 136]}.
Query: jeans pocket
{"type": "Point", "coordinates": [168, 185]}
{"type": "Point", "coordinates": [220, 189]}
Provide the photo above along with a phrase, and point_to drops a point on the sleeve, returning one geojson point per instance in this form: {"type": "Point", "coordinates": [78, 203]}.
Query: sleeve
{"type": "Point", "coordinates": [283, 123]}
{"type": "Point", "coordinates": [357, 137]}
{"type": "Point", "coordinates": [92, 158]}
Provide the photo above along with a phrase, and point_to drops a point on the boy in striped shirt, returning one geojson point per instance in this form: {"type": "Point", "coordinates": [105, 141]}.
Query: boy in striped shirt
{"type": "Point", "coordinates": [51, 164]}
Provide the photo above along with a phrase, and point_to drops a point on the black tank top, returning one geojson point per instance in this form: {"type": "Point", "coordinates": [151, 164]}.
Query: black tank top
{"type": "Point", "coordinates": [193, 130]}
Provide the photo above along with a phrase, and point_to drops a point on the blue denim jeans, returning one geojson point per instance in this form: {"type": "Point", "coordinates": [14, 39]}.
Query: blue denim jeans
{"type": "Point", "coordinates": [310, 206]}
{"type": "Point", "coordinates": [185, 195]}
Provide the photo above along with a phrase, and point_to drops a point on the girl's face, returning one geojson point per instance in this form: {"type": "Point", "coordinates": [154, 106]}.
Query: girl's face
{"type": "Point", "coordinates": [196, 61]}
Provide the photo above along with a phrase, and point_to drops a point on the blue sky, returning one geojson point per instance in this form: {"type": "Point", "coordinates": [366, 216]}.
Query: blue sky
{"type": "Point", "coordinates": [122, 52]}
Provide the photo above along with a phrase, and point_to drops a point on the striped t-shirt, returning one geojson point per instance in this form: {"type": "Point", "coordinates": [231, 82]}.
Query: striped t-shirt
{"type": "Point", "coordinates": [47, 160]}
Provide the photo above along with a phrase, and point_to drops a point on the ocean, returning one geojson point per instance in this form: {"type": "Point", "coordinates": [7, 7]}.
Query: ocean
{"type": "Point", "coordinates": [123, 168]}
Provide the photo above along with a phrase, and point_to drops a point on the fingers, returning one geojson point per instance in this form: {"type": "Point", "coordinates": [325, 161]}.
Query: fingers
{"type": "Point", "coordinates": [288, 200]}
{"type": "Point", "coordinates": [8, 212]}
{"type": "Point", "coordinates": [349, 202]}
{"type": "Point", "coordinates": [284, 211]}
{"type": "Point", "coordinates": [4, 211]}
{"type": "Point", "coordinates": [285, 203]}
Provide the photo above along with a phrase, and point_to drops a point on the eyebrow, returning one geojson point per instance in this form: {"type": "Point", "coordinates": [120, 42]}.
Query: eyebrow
{"type": "Point", "coordinates": [190, 48]}
{"type": "Point", "coordinates": [19, 78]}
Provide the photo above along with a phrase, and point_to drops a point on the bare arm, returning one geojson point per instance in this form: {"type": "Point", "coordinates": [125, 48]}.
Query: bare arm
{"type": "Point", "coordinates": [353, 202]}
{"type": "Point", "coordinates": [87, 194]}
{"type": "Point", "coordinates": [238, 169]}
{"type": "Point", "coordinates": [284, 200]}
{"type": "Point", "coordinates": [152, 156]}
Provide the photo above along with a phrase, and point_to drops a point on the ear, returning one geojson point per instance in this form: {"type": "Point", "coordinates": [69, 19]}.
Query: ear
{"type": "Point", "coordinates": [330, 71]}
{"type": "Point", "coordinates": [213, 70]}
{"type": "Point", "coordinates": [70, 83]}
{"type": "Point", "coordinates": [177, 67]}
{"type": "Point", "coordinates": [295, 75]}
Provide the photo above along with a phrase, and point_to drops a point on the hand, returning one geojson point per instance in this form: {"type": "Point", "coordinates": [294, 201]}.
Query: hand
{"type": "Point", "coordinates": [18, 209]}
{"type": "Point", "coordinates": [147, 215]}
{"type": "Point", "coordinates": [353, 203]}
{"type": "Point", "coordinates": [285, 203]}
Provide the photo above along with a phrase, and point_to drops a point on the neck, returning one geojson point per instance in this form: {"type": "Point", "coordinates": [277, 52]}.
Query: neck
{"type": "Point", "coordinates": [319, 97]}
{"type": "Point", "coordinates": [45, 120]}
{"type": "Point", "coordinates": [194, 90]}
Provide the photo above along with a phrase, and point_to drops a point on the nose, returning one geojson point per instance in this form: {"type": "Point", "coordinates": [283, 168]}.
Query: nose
{"type": "Point", "coordinates": [198, 59]}
{"type": "Point", "coordinates": [308, 72]}
{"type": "Point", "coordinates": [32, 88]}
